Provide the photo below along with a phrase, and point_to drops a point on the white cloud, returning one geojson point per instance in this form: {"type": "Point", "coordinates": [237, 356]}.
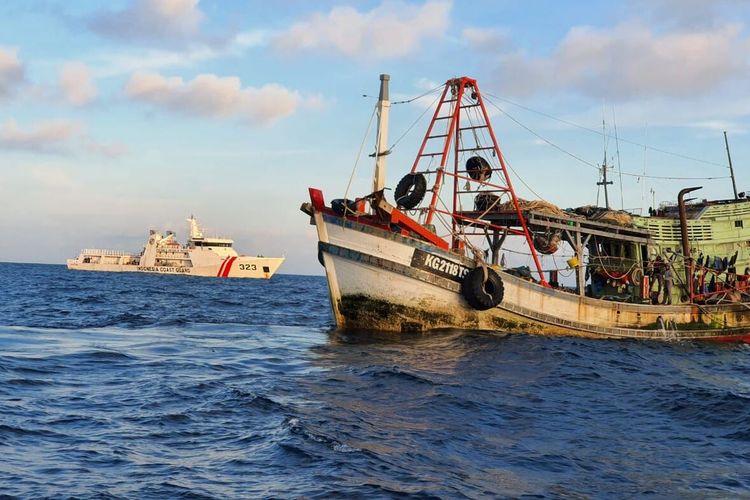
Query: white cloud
{"type": "Point", "coordinates": [390, 30]}
{"type": "Point", "coordinates": [11, 72]}
{"type": "Point", "coordinates": [52, 178]}
{"type": "Point", "coordinates": [689, 14]}
{"type": "Point", "coordinates": [171, 21]}
{"type": "Point", "coordinates": [51, 136]}
{"type": "Point", "coordinates": [486, 38]}
{"type": "Point", "coordinates": [719, 126]}
{"type": "Point", "coordinates": [709, 113]}
{"type": "Point", "coordinates": [108, 64]}
{"type": "Point", "coordinates": [55, 137]}
{"type": "Point", "coordinates": [76, 84]}
{"type": "Point", "coordinates": [214, 96]}
{"type": "Point", "coordinates": [109, 150]}
{"type": "Point", "coordinates": [631, 60]}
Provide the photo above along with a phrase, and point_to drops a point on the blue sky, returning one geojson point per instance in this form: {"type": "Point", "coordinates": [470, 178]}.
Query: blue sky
{"type": "Point", "coordinates": [117, 117]}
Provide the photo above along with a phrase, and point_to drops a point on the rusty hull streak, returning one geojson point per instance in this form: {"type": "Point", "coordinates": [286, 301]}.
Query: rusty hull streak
{"type": "Point", "coordinates": [365, 312]}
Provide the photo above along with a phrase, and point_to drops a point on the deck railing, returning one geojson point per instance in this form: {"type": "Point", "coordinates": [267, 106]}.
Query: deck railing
{"type": "Point", "coordinates": [109, 253]}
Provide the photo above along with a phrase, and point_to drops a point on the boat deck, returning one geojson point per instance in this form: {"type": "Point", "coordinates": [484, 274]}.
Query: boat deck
{"type": "Point", "coordinates": [541, 221]}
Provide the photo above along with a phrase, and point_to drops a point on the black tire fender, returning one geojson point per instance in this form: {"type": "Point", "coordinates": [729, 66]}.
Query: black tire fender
{"type": "Point", "coordinates": [478, 169]}
{"type": "Point", "coordinates": [410, 191]}
{"type": "Point", "coordinates": [481, 294]}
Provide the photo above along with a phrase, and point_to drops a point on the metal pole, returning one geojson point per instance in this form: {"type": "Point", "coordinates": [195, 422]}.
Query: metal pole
{"type": "Point", "coordinates": [605, 183]}
{"type": "Point", "coordinates": [580, 274]}
{"type": "Point", "coordinates": [685, 241]}
{"type": "Point", "coordinates": [381, 148]}
{"type": "Point", "coordinates": [495, 246]}
{"type": "Point", "coordinates": [731, 170]}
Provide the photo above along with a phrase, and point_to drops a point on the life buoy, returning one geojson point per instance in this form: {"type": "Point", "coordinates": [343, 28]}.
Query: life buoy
{"type": "Point", "coordinates": [478, 168]}
{"type": "Point", "coordinates": [343, 206]}
{"type": "Point", "coordinates": [481, 294]}
{"type": "Point", "coordinates": [410, 190]}
{"type": "Point", "coordinates": [636, 276]}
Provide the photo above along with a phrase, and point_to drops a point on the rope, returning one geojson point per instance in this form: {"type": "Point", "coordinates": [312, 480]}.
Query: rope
{"type": "Point", "coordinates": [435, 89]}
{"type": "Point", "coordinates": [594, 131]}
{"type": "Point", "coordinates": [578, 158]}
{"type": "Point", "coordinates": [593, 165]}
{"type": "Point", "coordinates": [359, 153]}
{"type": "Point", "coordinates": [415, 121]}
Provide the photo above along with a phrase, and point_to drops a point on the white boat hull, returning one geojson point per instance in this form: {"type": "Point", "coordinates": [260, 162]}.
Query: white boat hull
{"type": "Point", "coordinates": [385, 281]}
{"type": "Point", "coordinates": [231, 267]}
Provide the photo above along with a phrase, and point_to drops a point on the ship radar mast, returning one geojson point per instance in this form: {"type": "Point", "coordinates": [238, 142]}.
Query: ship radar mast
{"type": "Point", "coordinates": [195, 230]}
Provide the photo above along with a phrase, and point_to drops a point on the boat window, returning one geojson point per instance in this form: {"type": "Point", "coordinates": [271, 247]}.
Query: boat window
{"type": "Point", "coordinates": [738, 223]}
{"type": "Point", "coordinates": [209, 244]}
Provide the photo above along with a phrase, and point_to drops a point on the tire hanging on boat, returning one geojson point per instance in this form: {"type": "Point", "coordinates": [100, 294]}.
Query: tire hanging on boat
{"type": "Point", "coordinates": [478, 168]}
{"type": "Point", "coordinates": [410, 190]}
{"type": "Point", "coordinates": [481, 294]}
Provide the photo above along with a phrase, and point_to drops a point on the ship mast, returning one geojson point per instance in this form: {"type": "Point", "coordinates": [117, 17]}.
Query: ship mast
{"type": "Point", "coordinates": [381, 146]}
{"type": "Point", "coordinates": [731, 170]}
{"type": "Point", "coordinates": [605, 182]}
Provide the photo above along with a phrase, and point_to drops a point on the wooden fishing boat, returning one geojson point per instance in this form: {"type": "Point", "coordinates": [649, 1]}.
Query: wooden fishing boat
{"type": "Point", "coordinates": [431, 258]}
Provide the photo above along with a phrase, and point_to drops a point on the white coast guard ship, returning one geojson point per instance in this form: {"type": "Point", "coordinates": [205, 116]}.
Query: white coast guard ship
{"type": "Point", "coordinates": [163, 254]}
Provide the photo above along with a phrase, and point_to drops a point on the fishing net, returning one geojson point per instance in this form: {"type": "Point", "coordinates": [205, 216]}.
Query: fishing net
{"type": "Point", "coordinates": [540, 206]}
{"type": "Point", "coordinates": [617, 217]}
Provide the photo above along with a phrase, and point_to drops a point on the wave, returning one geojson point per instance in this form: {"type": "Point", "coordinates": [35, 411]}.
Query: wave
{"type": "Point", "coordinates": [295, 426]}
{"type": "Point", "coordinates": [379, 372]}
{"type": "Point", "coordinates": [27, 382]}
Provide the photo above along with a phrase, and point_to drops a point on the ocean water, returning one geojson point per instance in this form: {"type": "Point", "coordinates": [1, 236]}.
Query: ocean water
{"type": "Point", "coordinates": [146, 386]}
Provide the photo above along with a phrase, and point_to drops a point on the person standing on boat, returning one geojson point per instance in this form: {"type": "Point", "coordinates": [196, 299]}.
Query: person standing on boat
{"type": "Point", "coordinates": [668, 283]}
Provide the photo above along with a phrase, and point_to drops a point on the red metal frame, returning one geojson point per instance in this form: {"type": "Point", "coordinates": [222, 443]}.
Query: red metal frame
{"type": "Point", "coordinates": [403, 220]}
{"type": "Point", "coordinates": [393, 216]}
{"type": "Point", "coordinates": [480, 222]}
{"type": "Point", "coordinates": [458, 87]}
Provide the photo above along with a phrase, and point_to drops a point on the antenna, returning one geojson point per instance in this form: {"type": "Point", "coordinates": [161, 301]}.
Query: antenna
{"type": "Point", "coordinates": [604, 182]}
{"type": "Point", "coordinates": [604, 165]}
{"type": "Point", "coordinates": [619, 165]}
{"type": "Point", "coordinates": [645, 150]}
{"type": "Point", "coordinates": [653, 198]}
{"type": "Point", "coordinates": [731, 170]}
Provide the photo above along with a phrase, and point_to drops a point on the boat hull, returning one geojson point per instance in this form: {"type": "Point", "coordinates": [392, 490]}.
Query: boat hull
{"type": "Point", "coordinates": [232, 267]}
{"type": "Point", "coordinates": [385, 281]}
